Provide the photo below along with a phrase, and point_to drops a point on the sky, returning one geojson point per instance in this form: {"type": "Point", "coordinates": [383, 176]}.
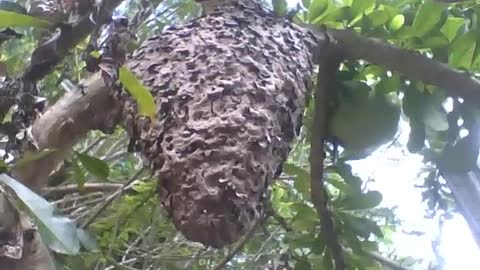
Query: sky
{"type": "Point", "coordinates": [395, 172]}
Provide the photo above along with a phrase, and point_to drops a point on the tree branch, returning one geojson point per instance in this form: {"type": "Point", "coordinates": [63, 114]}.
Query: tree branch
{"type": "Point", "coordinates": [328, 67]}
{"type": "Point", "coordinates": [240, 245]}
{"type": "Point", "coordinates": [70, 36]}
{"type": "Point", "coordinates": [47, 56]}
{"type": "Point", "coordinates": [60, 128]}
{"type": "Point", "coordinates": [410, 63]}
{"type": "Point", "coordinates": [112, 197]}
{"type": "Point", "coordinates": [390, 264]}
{"type": "Point", "coordinates": [64, 124]}
{"type": "Point", "coordinates": [87, 188]}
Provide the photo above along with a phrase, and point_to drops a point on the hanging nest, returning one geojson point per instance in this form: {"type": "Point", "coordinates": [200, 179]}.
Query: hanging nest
{"type": "Point", "coordinates": [230, 89]}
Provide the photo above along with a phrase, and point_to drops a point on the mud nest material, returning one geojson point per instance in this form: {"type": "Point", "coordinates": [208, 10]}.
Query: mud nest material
{"type": "Point", "coordinates": [230, 89]}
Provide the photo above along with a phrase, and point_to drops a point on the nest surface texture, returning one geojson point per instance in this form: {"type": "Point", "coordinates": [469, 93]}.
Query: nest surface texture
{"type": "Point", "coordinates": [230, 89]}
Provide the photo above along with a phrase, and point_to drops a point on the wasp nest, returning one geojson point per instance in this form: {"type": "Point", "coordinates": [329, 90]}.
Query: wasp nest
{"type": "Point", "coordinates": [230, 89]}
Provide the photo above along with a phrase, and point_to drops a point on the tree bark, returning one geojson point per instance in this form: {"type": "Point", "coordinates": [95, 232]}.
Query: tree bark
{"type": "Point", "coordinates": [61, 127]}
{"type": "Point", "coordinates": [64, 124]}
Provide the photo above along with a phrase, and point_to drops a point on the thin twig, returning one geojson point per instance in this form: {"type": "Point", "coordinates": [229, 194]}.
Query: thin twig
{"type": "Point", "coordinates": [239, 246]}
{"type": "Point", "coordinates": [87, 188]}
{"type": "Point", "coordinates": [384, 260]}
{"type": "Point", "coordinates": [110, 198]}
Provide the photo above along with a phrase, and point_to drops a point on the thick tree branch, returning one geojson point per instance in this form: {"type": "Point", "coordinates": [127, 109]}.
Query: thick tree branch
{"type": "Point", "coordinates": [328, 67]}
{"type": "Point", "coordinates": [69, 120]}
{"type": "Point", "coordinates": [70, 36]}
{"type": "Point", "coordinates": [47, 56]}
{"type": "Point", "coordinates": [60, 128]}
{"type": "Point", "coordinates": [410, 63]}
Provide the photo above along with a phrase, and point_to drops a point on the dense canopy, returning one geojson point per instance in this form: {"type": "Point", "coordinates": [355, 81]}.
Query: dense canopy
{"type": "Point", "coordinates": [219, 134]}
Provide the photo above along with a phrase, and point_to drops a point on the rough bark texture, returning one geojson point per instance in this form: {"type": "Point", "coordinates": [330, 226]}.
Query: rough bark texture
{"type": "Point", "coordinates": [230, 89]}
{"type": "Point", "coordinates": [65, 124]}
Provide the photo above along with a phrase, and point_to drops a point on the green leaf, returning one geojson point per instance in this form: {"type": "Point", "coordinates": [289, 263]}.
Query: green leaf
{"type": "Point", "coordinates": [413, 102]}
{"type": "Point", "coordinates": [316, 9]}
{"type": "Point", "coordinates": [95, 54]}
{"type": "Point", "coordinates": [31, 156]}
{"type": "Point", "coordinates": [451, 26]}
{"type": "Point", "coordinates": [367, 200]}
{"type": "Point", "coordinates": [416, 139]}
{"type": "Point", "coordinates": [12, 7]}
{"type": "Point", "coordinates": [361, 226]}
{"type": "Point", "coordinates": [462, 50]}
{"type": "Point", "coordinates": [142, 95]}
{"type": "Point", "coordinates": [345, 171]}
{"type": "Point", "coordinates": [334, 15]}
{"type": "Point", "coordinates": [378, 18]}
{"type": "Point", "coordinates": [300, 240]}
{"type": "Point", "coordinates": [3, 166]}
{"type": "Point", "coordinates": [427, 17]}
{"type": "Point", "coordinates": [337, 181]}
{"type": "Point", "coordinates": [87, 240]}
{"type": "Point", "coordinates": [319, 245]}
{"type": "Point", "coordinates": [397, 22]}
{"type": "Point", "coordinates": [434, 42]}
{"type": "Point", "coordinates": [389, 84]}
{"type": "Point", "coordinates": [79, 174]}
{"type": "Point", "coordinates": [302, 265]}
{"type": "Point", "coordinates": [305, 219]}
{"type": "Point", "coordinates": [59, 233]}
{"type": "Point", "coordinates": [12, 19]}
{"type": "Point", "coordinates": [462, 157]}
{"type": "Point", "coordinates": [351, 240]}
{"type": "Point", "coordinates": [359, 6]}
{"type": "Point", "coordinates": [302, 180]}
{"type": "Point", "coordinates": [93, 165]}
{"type": "Point", "coordinates": [279, 7]}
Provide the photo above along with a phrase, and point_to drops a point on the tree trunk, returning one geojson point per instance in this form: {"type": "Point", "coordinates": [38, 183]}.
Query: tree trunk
{"type": "Point", "coordinates": [230, 89]}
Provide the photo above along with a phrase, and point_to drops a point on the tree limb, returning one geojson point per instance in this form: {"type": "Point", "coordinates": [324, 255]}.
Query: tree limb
{"type": "Point", "coordinates": [328, 67]}
{"type": "Point", "coordinates": [111, 198]}
{"type": "Point", "coordinates": [64, 124]}
{"type": "Point", "coordinates": [70, 36]}
{"type": "Point", "coordinates": [390, 264]}
{"type": "Point", "coordinates": [60, 128]}
{"type": "Point", "coordinates": [410, 63]}
{"type": "Point", "coordinates": [87, 188]}
{"type": "Point", "coordinates": [240, 245]}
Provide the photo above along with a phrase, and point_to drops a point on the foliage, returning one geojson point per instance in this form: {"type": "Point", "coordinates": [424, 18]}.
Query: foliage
{"type": "Point", "coordinates": [143, 97]}
{"type": "Point", "coordinates": [134, 231]}
{"type": "Point", "coordinates": [58, 232]}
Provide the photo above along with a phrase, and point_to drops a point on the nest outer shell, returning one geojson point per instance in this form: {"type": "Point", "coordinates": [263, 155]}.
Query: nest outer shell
{"type": "Point", "coordinates": [230, 89]}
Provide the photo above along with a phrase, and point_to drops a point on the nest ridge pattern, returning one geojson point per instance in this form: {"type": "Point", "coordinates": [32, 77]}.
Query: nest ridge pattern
{"type": "Point", "coordinates": [230, 89]}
